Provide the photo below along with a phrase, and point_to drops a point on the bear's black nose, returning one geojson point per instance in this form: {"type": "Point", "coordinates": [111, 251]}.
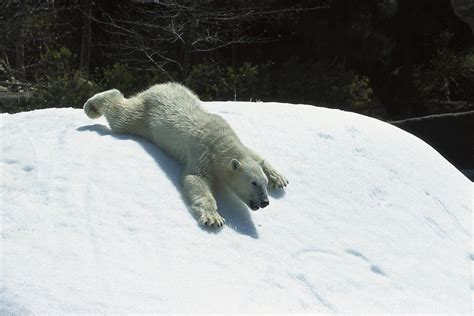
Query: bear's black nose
{"type": "Point", "coordinates": [264, 203]}
{"type": "Point", "coordinates": [253, 205]}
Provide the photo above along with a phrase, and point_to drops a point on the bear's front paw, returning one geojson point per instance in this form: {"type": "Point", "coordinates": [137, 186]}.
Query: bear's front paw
{"type": "Point", "coordinates": [207, 212]}
{"type": "Point", "coordinates": [276, 180]}
{"type": "Point", "coordinates": [211, 219]}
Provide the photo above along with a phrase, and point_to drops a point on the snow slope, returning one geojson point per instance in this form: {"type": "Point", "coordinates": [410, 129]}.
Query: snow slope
{"type": "Point", "coordinates": [374, 220]}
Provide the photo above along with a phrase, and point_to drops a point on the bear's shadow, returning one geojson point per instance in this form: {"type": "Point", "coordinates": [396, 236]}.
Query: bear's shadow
{"type": "Point", "coordinates": [236, 213]}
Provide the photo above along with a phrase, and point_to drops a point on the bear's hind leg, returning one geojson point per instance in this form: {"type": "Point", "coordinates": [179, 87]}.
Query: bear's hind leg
{"type": "Point", "coordinates": [198, 193]}
{"type": "Point", "coordinates": [95, 106]}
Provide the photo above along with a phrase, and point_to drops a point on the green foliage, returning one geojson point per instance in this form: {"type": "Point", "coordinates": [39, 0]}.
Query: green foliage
{"type": "Point", "coordinates": [358, 92]}
{"type": "Point", "coordinates": [214, 82]}
{"type": "Point", "coordinates": [156, 77]}
{"type": "Point", "coordinates": [335, 84]}
{"type": "Point", "coordinates": [240, 81]}
{"type": "Point", "coordinates": [324, 81]}
{"type": "Point", "coordinates": [129, 81]}
{"type": "Point", "coordinates": [448, 76]}
{"type": "Point", "coordinates": [57, 61]}
{"type": "Point", "coordinates": [60, 85]}
{"type": "Point", "coordinates": [118, 77]}
{"type": "Point", "coordinates": [68, 90]}
{"type": "Point", "coordinates": [204, 80]}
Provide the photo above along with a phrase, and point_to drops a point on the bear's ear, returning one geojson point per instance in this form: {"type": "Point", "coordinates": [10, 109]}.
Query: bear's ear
{"type": "Point", "coordinates": [235, 165]}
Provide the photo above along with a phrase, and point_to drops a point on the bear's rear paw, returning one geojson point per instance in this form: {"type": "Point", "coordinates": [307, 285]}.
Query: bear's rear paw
{"type": "Point", "coordinates": [91, 110]}
{"type": "Point", "coordinates": [276, 180]}
{"type": "Point", "coordinates": [211, 219]}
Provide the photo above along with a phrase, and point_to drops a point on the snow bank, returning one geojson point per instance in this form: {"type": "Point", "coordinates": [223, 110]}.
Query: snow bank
{"type": "Point", "coordinates": [374, 220]}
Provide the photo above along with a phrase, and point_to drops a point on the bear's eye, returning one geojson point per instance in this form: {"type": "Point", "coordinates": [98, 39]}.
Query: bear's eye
{"type": "Point", "coordinates": [254, 183]}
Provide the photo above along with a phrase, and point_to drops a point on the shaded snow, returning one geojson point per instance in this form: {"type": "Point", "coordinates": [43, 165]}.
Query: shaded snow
{"type": "Point", "coordinates": [374, 220]}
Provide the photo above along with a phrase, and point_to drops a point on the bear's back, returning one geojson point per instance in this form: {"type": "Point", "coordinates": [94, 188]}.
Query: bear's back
{"type": "Point", "coordinates": [175, 118]}
{"type": "Point", "coordinates": [171, 97]}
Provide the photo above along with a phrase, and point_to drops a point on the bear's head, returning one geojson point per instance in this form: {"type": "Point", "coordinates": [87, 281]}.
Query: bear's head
{"type": "Point", "coordinates": [248, 182]}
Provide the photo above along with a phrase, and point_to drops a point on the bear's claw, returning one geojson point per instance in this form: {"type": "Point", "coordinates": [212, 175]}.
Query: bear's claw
{"type": "Point", "coordinates": [212, 219]}
{"type": "Point", "coordinates": [276, 180]}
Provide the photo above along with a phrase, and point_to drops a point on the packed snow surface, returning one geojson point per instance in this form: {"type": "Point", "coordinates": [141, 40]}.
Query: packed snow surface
{"type": "Point", "coordinates": [374, 220]}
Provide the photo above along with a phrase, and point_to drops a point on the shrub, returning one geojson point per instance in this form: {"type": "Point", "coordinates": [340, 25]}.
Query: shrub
{"type": "Point", "coordinates": [240, 81]}
{"type": "Point", "coordinates": [324, 81]}
{"type": "Point", "coordinates": [118, 77]}
{"type": "Point", "coordinates": [58, 84]}
{"type": "Point", "coordinates": [204, 80]}
{"type": "Point", "coordinates": [333, 83]}
{"type": "Point", "coordinates": [213, 82]}
{"type": "Point", "coordinates": [448, 76]}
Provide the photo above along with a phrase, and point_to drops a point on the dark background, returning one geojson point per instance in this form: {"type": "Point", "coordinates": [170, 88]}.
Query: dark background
{"type": "Point", "coordinates": [390, 59]}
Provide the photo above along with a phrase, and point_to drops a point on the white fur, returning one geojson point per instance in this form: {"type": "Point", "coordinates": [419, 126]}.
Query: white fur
{"type": "Point", "coordinates": [171, 116]}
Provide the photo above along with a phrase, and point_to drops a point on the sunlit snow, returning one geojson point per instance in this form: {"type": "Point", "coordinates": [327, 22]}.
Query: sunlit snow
{"type": "Point", "coordinates": [373, 220]}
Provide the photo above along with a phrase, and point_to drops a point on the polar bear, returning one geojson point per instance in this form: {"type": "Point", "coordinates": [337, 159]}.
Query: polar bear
{"type": "Point", "coordinates": [170, 115]}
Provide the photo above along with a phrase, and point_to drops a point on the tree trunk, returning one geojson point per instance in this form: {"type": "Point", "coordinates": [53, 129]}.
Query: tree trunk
{"type": "Point", "coordinates": [20, 44]}
{"type": "Point", "coordinates": [20, 53]}
{"type": "Point", "coordinates": [86, 36]}
{"type": "Point", "coordinates": [189, 37]}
